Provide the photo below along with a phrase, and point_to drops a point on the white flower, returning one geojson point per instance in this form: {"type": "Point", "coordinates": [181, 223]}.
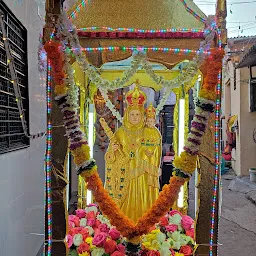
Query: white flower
{"type": "Point", "coordinates": [90, 230]}
{"type": "Point", "coordinates": [165, 249]}
{"type": "Point", "coordinates": [83, 222]}
{"type": "Point", "coordinates": [77, 239]}
{"type": "Point", "coordinates": [175, 236]}
{"type": "Point", "coordinates": [91, 209]}
{"type": "Point", "coordinates": [187, 239]}
{"type": "Point", "coordinates": [97, 251]}
{"type": "Point", "coordinates": [103, 220]}
{"type": "Point", "coordinates": [160, 237]}
{"type": "Point", "coordinates": [175, 219]}
{"type": "Point", "coordinates": [177, 245]}
{"type": "Point", "coordinates": [174, 244]}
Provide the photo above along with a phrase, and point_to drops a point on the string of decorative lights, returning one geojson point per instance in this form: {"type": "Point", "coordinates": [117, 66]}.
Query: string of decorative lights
{"type": "Point", "coordinates": [14, 81]}
{"type": "Point", "coordinates": [138, 30]}
{"type": "Point", "coordinates": [141, 48]}
{"type": "Point", "coordinates": [48, 191]}
{"type": "Point", "coordinates": [73, 15]}
{"type": "Point", "coordinates": [217, 157]}
{"type": "Point", "coordinates": [192, 12]}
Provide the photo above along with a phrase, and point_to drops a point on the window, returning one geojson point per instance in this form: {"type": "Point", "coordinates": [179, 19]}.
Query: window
{"type": "Point", "coordinates": [12, 135]}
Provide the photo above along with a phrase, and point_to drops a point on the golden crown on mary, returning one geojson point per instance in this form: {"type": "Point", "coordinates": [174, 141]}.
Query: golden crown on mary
{"type": "Point", "coordinates": [136, 97]}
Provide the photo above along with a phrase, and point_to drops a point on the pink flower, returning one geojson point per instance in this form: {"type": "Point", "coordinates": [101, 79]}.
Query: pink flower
{"type": "Point", "coordinates": [103, 228]}
{"type": "Point", "coordinates": [100, 239]}
{"type": "Point", "coordinates": [69, 240]}
{"type": "Point", "coordinates": [171, 228]}
{"type": "Point", "coordinates": [117, 253]}
{"type": "Point", "coordinates": [187, 222]}
{"type": "Point", "coordinates": [171, 213]}
{"type": "Point", "coordinates": [90, 222]}
{"type": "Point", "coordinates": [114, 234]}
{"type": "Point", "coordinates": [80, 213]}
{"type": "Point", "coordinates": [191, 233]}
{"type": "Point", "coordinates": [71, 224]}
{"type": "Point", "coordinates": [74, 219]}
{"type": "Point", "coordinates": [121, 248]}
{"type": "Point", "coordinates": [90, 205]}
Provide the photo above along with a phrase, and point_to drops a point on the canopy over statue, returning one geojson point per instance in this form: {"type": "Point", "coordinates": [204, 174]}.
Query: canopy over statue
{"type": "Point", "coordinates": [133, 157]}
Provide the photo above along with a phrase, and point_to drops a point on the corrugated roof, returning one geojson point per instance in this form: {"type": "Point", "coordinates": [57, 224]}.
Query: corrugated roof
{"type": "Point", "coordinates": [249, 59]}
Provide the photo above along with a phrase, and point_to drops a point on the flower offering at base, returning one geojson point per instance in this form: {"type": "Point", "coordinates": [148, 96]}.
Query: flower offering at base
{"type": "Point", "coordinates": [90, 233]}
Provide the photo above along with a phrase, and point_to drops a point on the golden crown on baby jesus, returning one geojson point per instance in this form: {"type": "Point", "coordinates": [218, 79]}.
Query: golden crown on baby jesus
{"type": "Point", "coordinates": [136, 97]}
{"type": "Point", "coordinates": [150, 111]}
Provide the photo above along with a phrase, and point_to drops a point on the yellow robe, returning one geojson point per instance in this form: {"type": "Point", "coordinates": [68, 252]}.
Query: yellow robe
{"type": "Point", "coordinates": [132, 176]}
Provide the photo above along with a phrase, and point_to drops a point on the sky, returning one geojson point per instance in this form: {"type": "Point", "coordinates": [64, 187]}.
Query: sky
{"type": "Point", "coordinates": [240, 13]}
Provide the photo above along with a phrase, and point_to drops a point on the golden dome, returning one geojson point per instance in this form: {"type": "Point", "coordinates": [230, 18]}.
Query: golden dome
{"type": "Point", "coordinates": [143, 14]}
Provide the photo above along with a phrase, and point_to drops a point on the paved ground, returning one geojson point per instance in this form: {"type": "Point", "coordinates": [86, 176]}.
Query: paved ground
{"type": "Point", "coordinates": [237, 226]}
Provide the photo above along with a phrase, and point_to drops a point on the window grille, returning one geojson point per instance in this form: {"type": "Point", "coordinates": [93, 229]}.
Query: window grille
{"type": "Point", "coordinates": [12, 134]}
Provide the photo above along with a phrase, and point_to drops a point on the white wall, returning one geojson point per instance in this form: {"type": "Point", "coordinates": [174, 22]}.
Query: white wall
{"type": "Point", "coordinates": [22, 171]}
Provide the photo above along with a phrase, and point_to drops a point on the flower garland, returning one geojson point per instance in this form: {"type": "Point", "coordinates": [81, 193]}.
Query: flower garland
{"type": "Point", "coordinates": [110, 105]}
{"type": "Point", "coordinates": [185, 164]}
{"type": "Point", "coordinates": [205, 104]}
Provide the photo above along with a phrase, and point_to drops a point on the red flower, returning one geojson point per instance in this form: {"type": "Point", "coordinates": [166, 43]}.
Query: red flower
{"type": "Point", "coordinates": [83, 248]}
{"type": "Point", "coordinates": [186, 250]}
{"type": "Point", "coordinates": [84, 232]}
{"type": "Point", "coordinates": [90, 215]}
{"type": "Point", "coordinates": [110, 246]}
{"type": "Point", "coordinates": [117, 253]}
{"type": "Point", "coordinates": [164, 221]}
{"type": "Point", "coordinates": [153, 253]}
{"type": "Point", "coordinates": [172, 252]}
{"type": "Point", "coordinates": [191, 233]}
{"type": "Point", "coordinates": [121, 248]}
{"type": "Point", "coordinates": [97, 223]}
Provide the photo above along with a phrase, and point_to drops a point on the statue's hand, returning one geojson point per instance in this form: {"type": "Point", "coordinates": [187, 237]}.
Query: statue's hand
{"type": "Point", "coordinates": [115, 147]}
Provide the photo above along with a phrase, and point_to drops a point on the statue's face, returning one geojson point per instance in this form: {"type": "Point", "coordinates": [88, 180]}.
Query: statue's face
{"type": "Point", "coordinates": [134, 117]}
{"type": "Point", "coordinates": [151, 122]}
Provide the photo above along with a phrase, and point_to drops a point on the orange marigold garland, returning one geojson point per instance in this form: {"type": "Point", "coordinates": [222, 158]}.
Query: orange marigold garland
{"type": "Point", "coordinates": [166, 198]}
